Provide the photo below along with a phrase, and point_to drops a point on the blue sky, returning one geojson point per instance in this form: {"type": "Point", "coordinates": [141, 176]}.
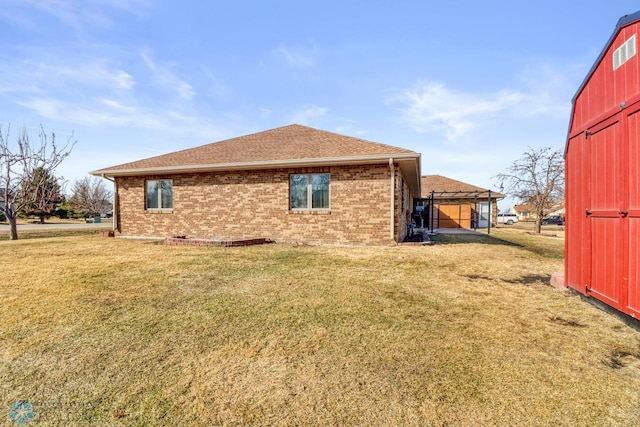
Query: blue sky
{"type": "Point", "coordinates": [468, 84]}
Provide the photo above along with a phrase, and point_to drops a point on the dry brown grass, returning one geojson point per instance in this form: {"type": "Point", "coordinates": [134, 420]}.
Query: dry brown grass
{"type": "Point", "coordinates": [136, 333]}
{"type": "Point", "coordinates": [40, 234]}
{"type": "Point", "coordinates": [549, 244]}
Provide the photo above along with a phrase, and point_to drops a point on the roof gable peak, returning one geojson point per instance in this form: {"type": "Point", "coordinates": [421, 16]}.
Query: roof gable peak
{"type": "Point", "coordinates": [286, 145]}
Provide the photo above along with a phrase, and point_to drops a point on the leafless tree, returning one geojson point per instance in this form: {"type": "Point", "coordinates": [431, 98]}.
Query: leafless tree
{"type": "Point", "coordinates": [90, 196]}
{"type": "Point", "coordinates": [19, 163]}
{"type": "Point", "coordinates": [536, 179]}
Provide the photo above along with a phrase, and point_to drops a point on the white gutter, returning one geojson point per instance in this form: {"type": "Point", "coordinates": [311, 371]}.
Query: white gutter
{"type": "Point", "coordinates": [393, 199]}
{"type": "Point", "coordinates": [353, 160]}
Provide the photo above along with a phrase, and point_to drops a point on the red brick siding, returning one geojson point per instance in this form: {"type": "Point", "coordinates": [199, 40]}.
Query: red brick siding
{"type": "Point", "coordinates": [247, 204]}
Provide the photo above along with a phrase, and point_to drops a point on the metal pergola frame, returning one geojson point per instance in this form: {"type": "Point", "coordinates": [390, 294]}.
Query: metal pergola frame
{"type": "Point", "coordinates": [462, 195]}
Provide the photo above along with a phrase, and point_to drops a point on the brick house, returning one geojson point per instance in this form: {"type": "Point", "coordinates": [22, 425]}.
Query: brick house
{"type": "Point", "coordinates": [527, 213]}
{"type": "Point", "coordinates": [448, 203]}
{"type": "Point", "coordinates": [291, 184]}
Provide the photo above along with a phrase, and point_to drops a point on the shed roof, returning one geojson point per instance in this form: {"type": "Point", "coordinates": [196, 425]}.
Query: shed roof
{"type": "Point", "coordinates": [444, 187]}
{"type": "Point", "coordinates": [287, 146]}
{"type": "Point", "coordinates": [622, 22]}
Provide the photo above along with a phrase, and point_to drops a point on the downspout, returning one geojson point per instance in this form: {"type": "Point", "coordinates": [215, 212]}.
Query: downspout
{"type": "Point", "coordinates": [433, 210]}
{"type": "Point", "coordinates": [476, 217]}
{"type": "Point", "coordinates": [115, 202]}
{"type": "Point", "coordinates": [393, 200]}
{"type": "Point", "coordinates": [490, 212]}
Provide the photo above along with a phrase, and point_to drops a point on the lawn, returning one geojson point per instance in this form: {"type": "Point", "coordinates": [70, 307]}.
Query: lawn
{"type": "Point", "coordinates": [124, 332]}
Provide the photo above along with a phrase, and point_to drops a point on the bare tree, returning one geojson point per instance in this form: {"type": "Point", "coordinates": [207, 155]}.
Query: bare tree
{"type": "Point", "coordinates": [90, 196]}
{"type": "Point", "coordinates": [536, 179]}
{"type": "Point", "coordinates": [19, 164]}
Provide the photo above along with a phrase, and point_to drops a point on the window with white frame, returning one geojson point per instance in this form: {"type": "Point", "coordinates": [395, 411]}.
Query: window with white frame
{"type": "Point", "coordinates": [159, 194]}
{"type": "Point", "coordinates": [309, 191]}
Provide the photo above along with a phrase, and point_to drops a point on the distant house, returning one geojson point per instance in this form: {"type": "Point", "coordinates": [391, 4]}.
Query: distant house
{"type": "Point", "coordinates": [448, 203]}
{"type": "Point", "coordinates": [528, 212]}
{"type": "Point", "coordinates": [525, 212]}
{"type": "Point", "coordinates": [293, 183]}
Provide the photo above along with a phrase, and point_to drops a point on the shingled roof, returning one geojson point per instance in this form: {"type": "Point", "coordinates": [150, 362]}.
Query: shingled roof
{"type": "Point", "coordinates": [288, 146]}
{"type": "Point", "coordinates": [444, 187]}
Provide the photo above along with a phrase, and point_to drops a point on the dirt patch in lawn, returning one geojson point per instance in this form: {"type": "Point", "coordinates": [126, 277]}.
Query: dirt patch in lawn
{"type": "Point", "coordinates": [416, 239]}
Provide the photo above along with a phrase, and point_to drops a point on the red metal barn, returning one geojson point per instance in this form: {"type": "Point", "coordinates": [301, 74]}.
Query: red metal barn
{"type": "Point", "coordinates": [603, 176]}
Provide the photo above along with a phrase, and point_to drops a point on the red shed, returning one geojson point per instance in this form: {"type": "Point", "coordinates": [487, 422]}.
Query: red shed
{"type": "Point", "coordinates": [603, 176]}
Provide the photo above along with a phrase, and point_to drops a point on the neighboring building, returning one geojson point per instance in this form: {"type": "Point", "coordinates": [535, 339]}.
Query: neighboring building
{"type": "Point", "coordinates": [447, 203]}
{"type": "Point", "coordinates": [292, 183]}
{"type": "Point", "coordinates": [528, 212]}
{"type": "Point", "coordinates": [525, 212]}
{"type": "Point", "coordinates": [602, 160]}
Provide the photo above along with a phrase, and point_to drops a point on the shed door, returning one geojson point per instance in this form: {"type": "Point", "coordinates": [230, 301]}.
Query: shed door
{"type": "Point", "coordinates": [633, 290]}
{"type": "Point", "coordinates": [578, 188]}
{"type": "Point", "coordinates": [606, 220]}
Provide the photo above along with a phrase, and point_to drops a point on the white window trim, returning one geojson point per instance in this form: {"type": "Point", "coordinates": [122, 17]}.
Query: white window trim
{"type": "Point", "coordinates": [310, 192]}
{"type": "Point", "coordinates": [159, 208]}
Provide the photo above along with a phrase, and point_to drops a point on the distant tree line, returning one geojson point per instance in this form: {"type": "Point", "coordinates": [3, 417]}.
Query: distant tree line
{"type": "Point", "coordinates": [88, 197]}
{"type": "Point", "coordinates": [29, 186]}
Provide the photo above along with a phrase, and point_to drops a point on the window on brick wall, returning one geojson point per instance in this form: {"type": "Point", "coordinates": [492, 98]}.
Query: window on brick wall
{"type": "Point", "coordinates": [159, 194]}
{"type": "Point", "coordinates": [309, 191]}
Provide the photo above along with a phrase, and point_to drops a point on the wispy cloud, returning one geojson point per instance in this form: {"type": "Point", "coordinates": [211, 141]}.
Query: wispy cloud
{"type": "Point", "coordinates": [164, 77]}
{"type": "Point", "coordinates": [43, 76]}
{"type": "Point", "coordinates": [95, 113]}
{"type": "Point", "coordinates": [549, 88]}
{"type": "Point", "coordinates": [347, 127]}
{"type": "Point", "coordinates": [264, 113]}
{"type": "Point", "coordinates": [113, 113]}
{"type": "Point", "coordinates": [77, 15]}
{"type": "Point", "coordinates": [432, 106]}
{"type": "Point", "coordinates": [98, 72]}
{"type": "Point", "coordinates": [99, 93]}
{"type": "Point", "coordinates": [307, 114]}
{"type": "Point", "coordinates": [297, 56]}
{"type": "Point", "coordinates": [134, 7]}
